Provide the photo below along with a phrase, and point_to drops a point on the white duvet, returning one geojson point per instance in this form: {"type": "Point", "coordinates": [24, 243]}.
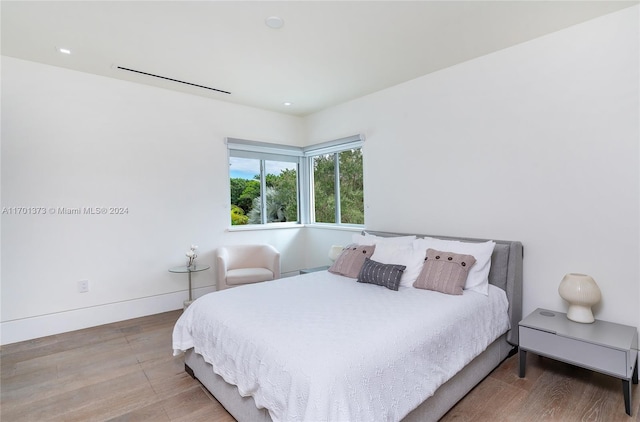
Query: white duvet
{"type": "Point", "coordinates": [322, 347]}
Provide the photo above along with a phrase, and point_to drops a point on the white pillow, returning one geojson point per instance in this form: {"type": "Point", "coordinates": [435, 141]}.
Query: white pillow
{"type": "Point", "coordinates": [401, 254]}
{"type": "Point", "coordinates": [370, 239]}
{"type": "Point", "coordinates": [478, 278]}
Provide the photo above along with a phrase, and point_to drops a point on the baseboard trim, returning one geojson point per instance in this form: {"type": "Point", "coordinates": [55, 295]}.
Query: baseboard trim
{"type": "Point", "coordinates": [77, 319]}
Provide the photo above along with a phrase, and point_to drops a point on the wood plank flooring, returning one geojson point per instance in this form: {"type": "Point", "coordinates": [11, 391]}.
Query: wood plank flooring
{"type": "Point", "coordinates": [126, 372]}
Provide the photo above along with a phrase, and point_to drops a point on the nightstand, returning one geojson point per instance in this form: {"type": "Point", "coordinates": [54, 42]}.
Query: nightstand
{"type": "Point", "coordinates": [604, 347]}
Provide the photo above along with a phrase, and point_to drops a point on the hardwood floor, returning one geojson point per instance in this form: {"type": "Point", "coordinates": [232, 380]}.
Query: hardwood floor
{"type": "Point", "coordinates": [551, 391]}
{"type": "Point", "coordinates": [126, 372]}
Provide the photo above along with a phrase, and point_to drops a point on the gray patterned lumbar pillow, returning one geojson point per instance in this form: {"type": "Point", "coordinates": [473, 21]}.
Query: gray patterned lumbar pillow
{"type": "Point", "coordinates": [387, 275]}
{"type": "Point", "coordinates": [444, 272]}
{"type": "Point", "coordinates": [351, 260]}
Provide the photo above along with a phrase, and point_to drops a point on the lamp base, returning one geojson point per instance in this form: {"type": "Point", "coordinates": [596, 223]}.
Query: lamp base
{"type": "Point", "coordinates": [580, 313]}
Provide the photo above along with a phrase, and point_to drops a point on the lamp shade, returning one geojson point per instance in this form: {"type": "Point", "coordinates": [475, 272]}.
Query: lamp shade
{"type": "Point", "coordinates": [334, 252]}
{"type": "Point", "coordinates": [582, 292]}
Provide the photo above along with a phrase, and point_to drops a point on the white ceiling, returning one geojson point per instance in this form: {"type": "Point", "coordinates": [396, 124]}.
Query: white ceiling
{"type": "Point", "coordinates": [327, 52]}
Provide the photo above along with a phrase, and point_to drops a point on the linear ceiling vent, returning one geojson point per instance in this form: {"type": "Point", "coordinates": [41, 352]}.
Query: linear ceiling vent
{"type": "Point", "coordinates": [171, 79]}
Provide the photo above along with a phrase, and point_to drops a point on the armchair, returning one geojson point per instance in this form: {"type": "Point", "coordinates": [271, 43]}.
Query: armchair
{"type": "Point", "coordinates": [245, 264]}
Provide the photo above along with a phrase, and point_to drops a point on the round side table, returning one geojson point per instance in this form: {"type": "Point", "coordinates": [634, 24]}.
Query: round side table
{"type": "Point", "coordinates": [192, 269]}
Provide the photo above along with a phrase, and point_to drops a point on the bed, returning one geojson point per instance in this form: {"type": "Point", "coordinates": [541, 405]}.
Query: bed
{"type": "Point", "coordinates": [322, 346]}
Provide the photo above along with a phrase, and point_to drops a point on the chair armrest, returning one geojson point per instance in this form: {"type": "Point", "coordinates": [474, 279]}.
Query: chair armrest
{"type": "Point", "coordinates": [222, 258]}
{"type": "Point", "coordinates": [275, 262]}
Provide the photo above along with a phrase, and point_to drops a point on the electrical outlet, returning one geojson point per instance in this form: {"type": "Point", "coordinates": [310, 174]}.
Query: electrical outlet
{"type": "Point", "coordinates": [83, 286]}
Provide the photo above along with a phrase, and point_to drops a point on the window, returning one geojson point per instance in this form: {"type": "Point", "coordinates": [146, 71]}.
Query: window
{"type": "Point", "coordinates": [263, 183]}
{"type": "Point", "coordinates": [272, 183]}
{"type": "Point", "coordinates": [338, 192]}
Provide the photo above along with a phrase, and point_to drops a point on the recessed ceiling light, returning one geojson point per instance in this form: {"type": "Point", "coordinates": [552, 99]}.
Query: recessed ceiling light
{"type": "Point", "coordinates": [274, 22]}
{"type": "Point", "coordinates": [287, 103]}
{"type": "Point", "coordinates": [63, 50]}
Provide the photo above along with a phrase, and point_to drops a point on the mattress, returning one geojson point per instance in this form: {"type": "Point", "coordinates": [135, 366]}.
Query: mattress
{"type": "Point", "coordinates": [323, 347]}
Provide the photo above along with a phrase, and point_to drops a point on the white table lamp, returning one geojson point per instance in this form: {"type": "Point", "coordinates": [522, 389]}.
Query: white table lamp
{"type": "Point", "coordinates": [582, 292]}
{"type": "Point", "coordinates": [334, 252]}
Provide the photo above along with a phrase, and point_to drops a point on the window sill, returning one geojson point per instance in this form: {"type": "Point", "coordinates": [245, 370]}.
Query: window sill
{"type": "Point", "coordinates": [280, 226]}
{"type": "Point", "coordinates": [271, 226]}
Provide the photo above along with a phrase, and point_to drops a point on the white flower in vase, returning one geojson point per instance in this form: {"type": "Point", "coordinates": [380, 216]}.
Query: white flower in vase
{"type": "Point", "coordinates": [192, 255]}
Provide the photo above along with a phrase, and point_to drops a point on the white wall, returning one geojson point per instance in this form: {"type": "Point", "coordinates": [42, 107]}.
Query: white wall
{"type": "Point", "coordinates": [537, 143]}
{"type": "Point", "coordinates": [71, 139]}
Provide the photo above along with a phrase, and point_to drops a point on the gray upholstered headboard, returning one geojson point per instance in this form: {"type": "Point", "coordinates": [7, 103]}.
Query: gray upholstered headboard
{"type": "Point", "coordinates": [506, 273]}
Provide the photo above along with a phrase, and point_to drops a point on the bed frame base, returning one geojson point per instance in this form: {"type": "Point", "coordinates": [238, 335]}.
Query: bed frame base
{"type": "Point", "coordinates": [241, 408]}
{"type": "Point", "coordinates": [189, 371]}
{"type": "Point", "coordinates": [436, 406]}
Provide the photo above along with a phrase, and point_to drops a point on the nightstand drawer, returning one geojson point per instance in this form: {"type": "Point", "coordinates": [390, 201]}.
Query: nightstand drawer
{"type": "Point", "coordinates": [581, 353]}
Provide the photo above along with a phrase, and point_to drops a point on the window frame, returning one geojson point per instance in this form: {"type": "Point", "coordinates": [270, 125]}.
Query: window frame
{"type": "Point", "coordinates": [335, 148]}
{"type": "Point", "coordinates": [264, 152]}
{"type": "Point", "coordinates": [303, 156]}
